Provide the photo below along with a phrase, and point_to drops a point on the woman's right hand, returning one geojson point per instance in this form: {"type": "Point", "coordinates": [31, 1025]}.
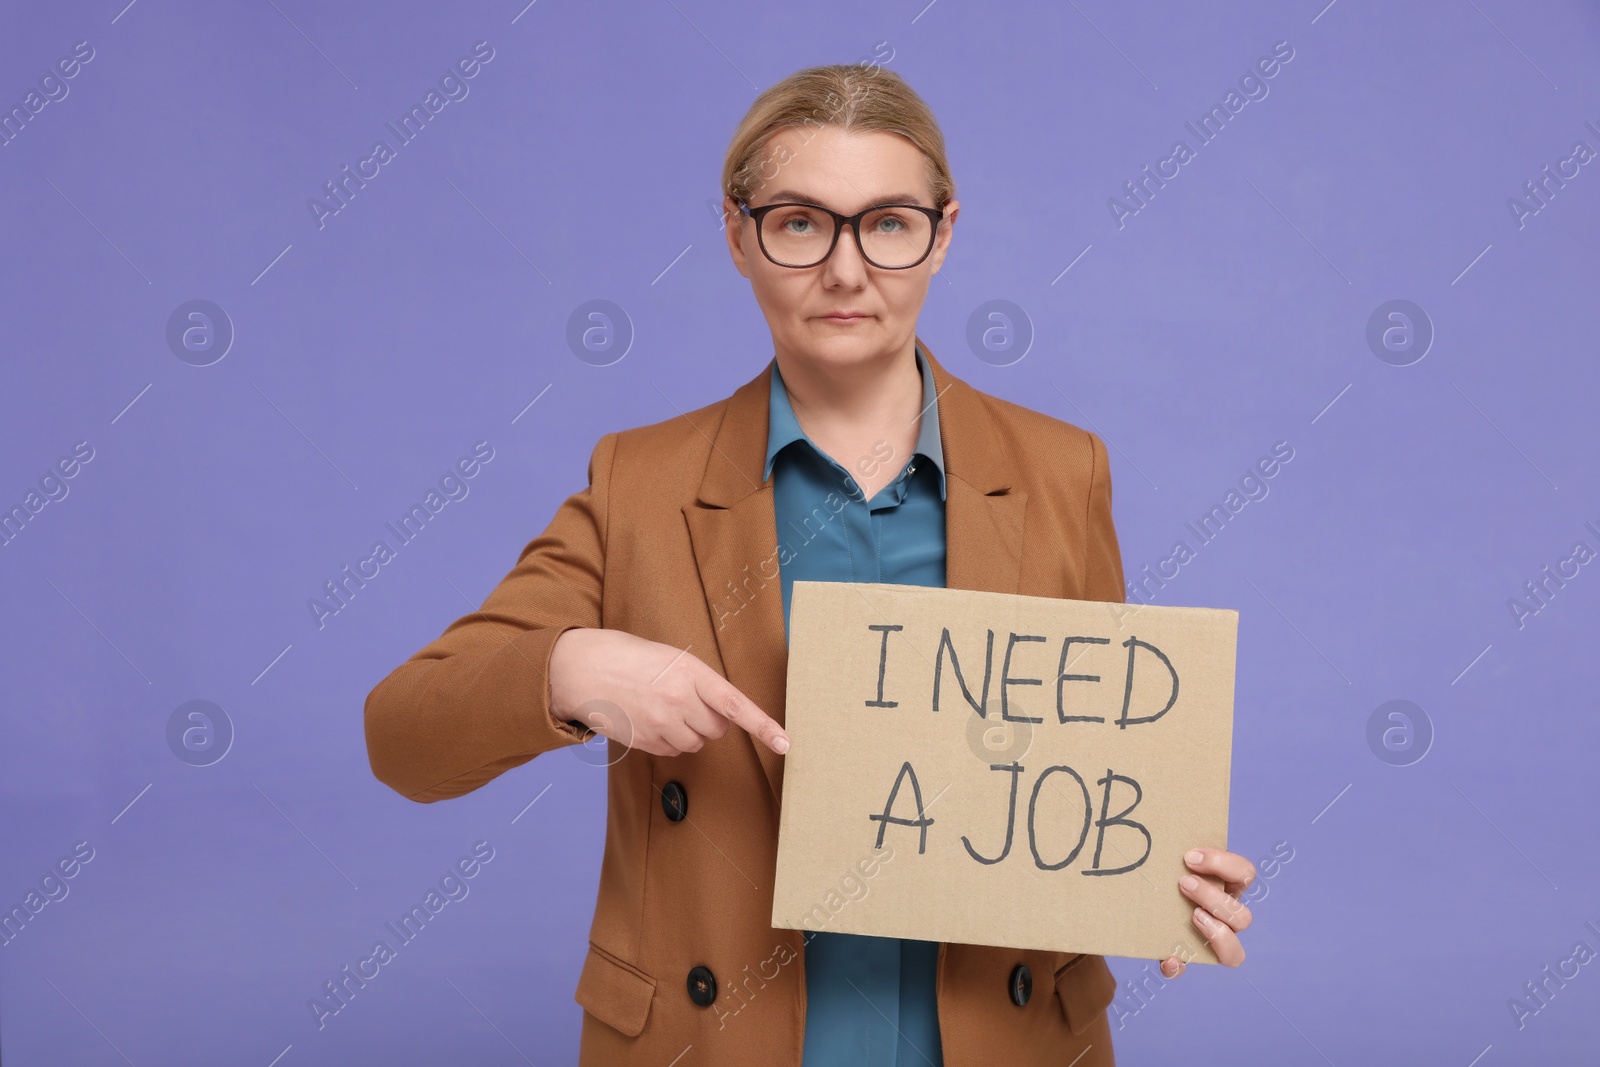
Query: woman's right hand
{"type": "Point", "coordinates": [649, 696]}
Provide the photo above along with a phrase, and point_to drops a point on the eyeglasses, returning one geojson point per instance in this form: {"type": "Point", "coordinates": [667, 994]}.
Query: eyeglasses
{"type": "Point", "coordinates": [890, 236]}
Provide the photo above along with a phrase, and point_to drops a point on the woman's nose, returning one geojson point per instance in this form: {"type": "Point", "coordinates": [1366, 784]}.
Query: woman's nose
{"type": "Point", "coordinates": [846, 260]}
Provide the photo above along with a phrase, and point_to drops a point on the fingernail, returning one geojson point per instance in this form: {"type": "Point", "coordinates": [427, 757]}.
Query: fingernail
{"type": "Point", "coordinates": [1194, 855]}
{"type": "Point", "coordinates": [781, 744]}
{"type": "Point", "coordinates": [1201, 917]}
{"type": "Point", "coordinates": [1188, 881]}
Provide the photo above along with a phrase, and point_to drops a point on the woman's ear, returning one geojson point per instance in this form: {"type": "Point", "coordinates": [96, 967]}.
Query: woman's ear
{"type": "Point", "coordinates": [733, 225]}
{"type": "Point", "coordinates": [941, 242]}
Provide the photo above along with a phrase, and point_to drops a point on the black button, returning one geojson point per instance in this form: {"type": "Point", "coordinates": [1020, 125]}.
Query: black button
{"type": "Point", "coordinates": [1021, 985]}
{"type": "Point", "coordinates": [702, 986]}
{"type": "Point", "coordinates": [674, 801]}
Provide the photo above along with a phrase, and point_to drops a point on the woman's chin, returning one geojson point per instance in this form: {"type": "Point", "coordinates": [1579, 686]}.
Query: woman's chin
{"type": "Point", "coordinates": [839, 343]}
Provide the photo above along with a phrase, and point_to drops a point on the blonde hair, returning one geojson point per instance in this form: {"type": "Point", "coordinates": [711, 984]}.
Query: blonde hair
{"type": "Point", "coordinates": [855, 97]}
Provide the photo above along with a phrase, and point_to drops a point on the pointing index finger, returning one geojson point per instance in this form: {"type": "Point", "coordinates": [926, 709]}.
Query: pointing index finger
{"type": "Point", "coordinates": [725, 699]}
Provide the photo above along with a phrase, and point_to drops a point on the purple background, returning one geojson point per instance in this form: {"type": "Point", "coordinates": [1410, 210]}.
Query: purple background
{"type": "Point", "coordinates": [1228, 314]}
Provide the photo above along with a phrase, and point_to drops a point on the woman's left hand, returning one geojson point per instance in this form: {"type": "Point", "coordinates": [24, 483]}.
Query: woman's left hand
{"type": "Point", "coordinates": [1220, 914]}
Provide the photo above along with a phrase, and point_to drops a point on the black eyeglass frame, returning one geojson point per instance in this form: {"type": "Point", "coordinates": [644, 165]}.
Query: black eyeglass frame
{"type": "Point", "coordinates": [935, 215]}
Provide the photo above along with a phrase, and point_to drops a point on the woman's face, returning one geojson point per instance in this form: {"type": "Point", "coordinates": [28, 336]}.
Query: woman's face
{"type": "Point", "coordinates": [845, 172]}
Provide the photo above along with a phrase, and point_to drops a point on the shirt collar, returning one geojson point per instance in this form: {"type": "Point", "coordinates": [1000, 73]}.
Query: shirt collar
{"type": "Point", "coordinates": [783, 428]}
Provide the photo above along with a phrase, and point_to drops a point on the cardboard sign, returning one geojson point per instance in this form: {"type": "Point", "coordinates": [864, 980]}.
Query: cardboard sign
{"type": "Point", "coordinates": [995, 769]}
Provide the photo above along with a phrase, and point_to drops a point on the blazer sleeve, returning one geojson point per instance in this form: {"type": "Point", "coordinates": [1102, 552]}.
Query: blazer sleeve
{"type": "Point", "coordinates": [476, 701]}
{"type": "Point", "coordinates": [1103, 559]}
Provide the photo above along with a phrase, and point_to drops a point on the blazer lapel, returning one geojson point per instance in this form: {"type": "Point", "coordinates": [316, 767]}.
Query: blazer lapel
{"type": "Point", "coordinates": [734, 533]}
{"type": "Point", "coordinates": [982, 511]}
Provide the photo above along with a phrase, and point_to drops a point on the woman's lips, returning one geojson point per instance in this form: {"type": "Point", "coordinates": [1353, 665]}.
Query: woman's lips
{"type": "Point", "coordinates": [845, 320]}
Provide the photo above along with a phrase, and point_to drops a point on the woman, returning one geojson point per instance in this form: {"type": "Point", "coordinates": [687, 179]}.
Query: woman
{"type": "Point", "coordinates": [653, 611]}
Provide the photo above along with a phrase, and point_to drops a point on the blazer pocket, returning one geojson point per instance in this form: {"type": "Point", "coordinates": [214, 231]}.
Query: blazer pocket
{"type": "Point", "coordinates": [615, 992]}
{"type": "Point", "coordinates": [1085, 986]}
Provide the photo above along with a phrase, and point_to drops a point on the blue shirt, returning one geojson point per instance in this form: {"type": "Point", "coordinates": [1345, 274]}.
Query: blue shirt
{"type": "Point", "coordinates": [870, 1000]}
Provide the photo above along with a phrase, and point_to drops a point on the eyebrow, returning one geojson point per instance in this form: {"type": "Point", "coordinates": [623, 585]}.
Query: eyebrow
{"type": "Point", "coordinates": [893, 198]}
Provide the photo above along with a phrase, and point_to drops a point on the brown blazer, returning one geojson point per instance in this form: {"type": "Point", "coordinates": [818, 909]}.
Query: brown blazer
{"type": "Point", "coordinates": [675, 540]}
